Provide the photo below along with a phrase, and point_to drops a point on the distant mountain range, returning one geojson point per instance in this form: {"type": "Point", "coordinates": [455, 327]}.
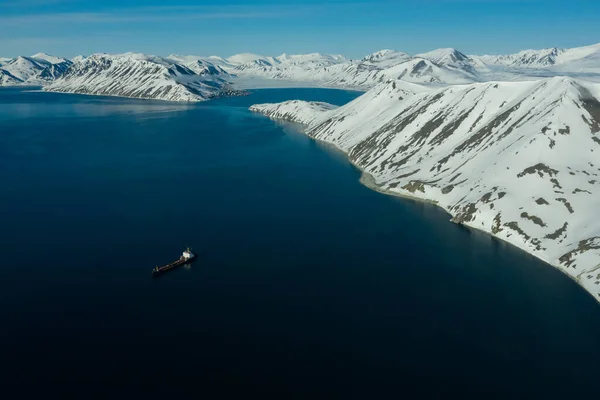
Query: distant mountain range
{"type": "Point", "coordinates": [438, 67]}
{"type": "Point", "coordinates": [197, 78]}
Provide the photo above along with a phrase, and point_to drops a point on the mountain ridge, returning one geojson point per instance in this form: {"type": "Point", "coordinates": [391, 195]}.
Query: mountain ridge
{"type": "Point", "coordinates": [446, 66]}
{"type": "Point", "coordinates": [142, 76]}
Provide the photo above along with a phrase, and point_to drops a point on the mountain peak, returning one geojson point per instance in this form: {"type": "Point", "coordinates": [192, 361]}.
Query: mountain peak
{"type": "Point", "coordinates": [386, 57]}
{"type": "Point", "coordinates": [445, 56]}
{"type": "Point", "coordinates": [243, 58]}
{"type": "Point", "coordinates": [48, 58]}
{"type": "Point", "coordinates": [311, 58]}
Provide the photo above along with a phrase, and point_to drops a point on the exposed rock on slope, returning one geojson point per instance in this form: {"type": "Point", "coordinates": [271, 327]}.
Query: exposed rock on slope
{"type": "Point", "coordinates": [387, 58]}
{"type": "Point", "coordinates": [438, 67]}
{"type": "Point", "coordinates": [7, 79]}
{"type": "Point", "coordinates": [141, 76]}
{"type": "Point", "coordinates": [336, 71]}
{"type": "Point", "coordinates": [545, 57]}
{"type": "Point", "coordinates": [36, 70]}
{"type": "Point", "coordinates": [452, 59]}
{"type": "Point", "coordinates": [295, 111]}
{"type": "Point", "coordinates": [519, 160]}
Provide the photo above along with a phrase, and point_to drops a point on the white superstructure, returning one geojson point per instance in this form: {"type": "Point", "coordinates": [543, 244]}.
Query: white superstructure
{"type": "Point", "coordinates": [187, 254]}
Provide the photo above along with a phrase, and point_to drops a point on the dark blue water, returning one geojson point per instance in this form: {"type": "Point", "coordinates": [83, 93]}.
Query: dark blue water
{"type": "Point", "coordinates": [308, 284]}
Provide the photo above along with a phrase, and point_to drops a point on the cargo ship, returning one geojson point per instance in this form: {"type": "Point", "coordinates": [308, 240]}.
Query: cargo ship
{"type": "Point", "coordinates": [186, 257]}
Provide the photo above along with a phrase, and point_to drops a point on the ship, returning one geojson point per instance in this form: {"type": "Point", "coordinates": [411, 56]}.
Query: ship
{"type": "Point", "coordinates": [186, 257]}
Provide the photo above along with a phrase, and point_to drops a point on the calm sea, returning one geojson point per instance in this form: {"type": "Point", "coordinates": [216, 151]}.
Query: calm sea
{"type": "Point", "coordinates": [307, 284]}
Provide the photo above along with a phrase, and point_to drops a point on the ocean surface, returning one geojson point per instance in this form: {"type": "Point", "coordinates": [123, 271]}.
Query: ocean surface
{"type": "Point", "coordinates": [307, 284]}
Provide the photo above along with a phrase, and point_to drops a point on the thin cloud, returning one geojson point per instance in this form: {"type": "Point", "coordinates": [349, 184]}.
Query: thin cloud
{"type": "Point", "coordinates": [34, 3]}
{"type": "Point", "coordinates": [433, 2]}
{"type": "Point", "coordinates": [172, 13]}
{"type": "Point", "coordinates": [35, 41]}
{"type": "Point", "coordinates": [118, 18]}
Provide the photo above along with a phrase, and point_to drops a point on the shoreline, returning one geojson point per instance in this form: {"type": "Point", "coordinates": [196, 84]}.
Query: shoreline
{"type": "Point", "coordinates": [368, 181]}
{"type": "Point", "coordinates": [245, 91]}
{"type": "Point", "coordinates": [43, 90]}
{"type": "Point", "coordinates": [252, 83]}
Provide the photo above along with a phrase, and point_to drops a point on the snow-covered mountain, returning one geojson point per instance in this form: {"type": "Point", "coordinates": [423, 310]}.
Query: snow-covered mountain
{"type": "Point", "coordinates": [24, 68]}
{"type": "Point", "coordinates": [212, 60]}
{"type": "Point", "coordinates": [438, 67]}
{"type": "Point", "coordinates": [49, 58]}
{"type": "Point", "coordinates": [525, 59]}
{"type": "Point", "coordinates": [452, 59]}
{"type": "Point", "coordinates": [205, 68]}
{"type": "Point", "coordinates": [337, 71]}
{"type": "Point", "coordinates": [516, 159]}
{"type": "Point", "coordinates": [7, 79]}
{"type": "Point", "coordinates": [250, 58]}
{"type": "Point", "coordinates": [142, 76]}
{"type": "Point", "coordinates": [35, 70]}
{"type": "Point", "coordinates": [386, 58]}
{"type": "Point", "coordinates": [312, 60]}
{"type": "Point", "coordinates": [578, 62]}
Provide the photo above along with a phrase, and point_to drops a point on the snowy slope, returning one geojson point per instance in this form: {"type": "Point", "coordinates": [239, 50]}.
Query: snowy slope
{"type": "Point", "coordinates": [48, 58]}
{"type": "Point", "coordinates": [336, 71]}
{"type": "Point", "coordinates": [25, 68]}
{"type": "Point", "coordinates": [312, 60]}
{"type": "Point", "coordinates": [421, 70]}
{"type": "Point", "coordinates": [438, 67]}
{"type": "Point", "coordinates": [78, 58]}
{"type": "Point", "coordinates": [249, 58]}
{"type": "Point", "coordinates": [4, 60]}
{"type": "Point", "coordinates": [213, 60]}
{"type": "Point", "coordinates": [525, 59]}
{"type": "Point", "coordinates": [577, 59]}
{"type": "Point", "coordinates": [7, 79]}
{"type": "Point", "coordinates": [138, 75]}
{"type": "Point", "coordinates": [516, 159]}
{"type": "Point", "coordinates": [452, 59]}
{"type": "Point", "coordinates": [33, 70]}
{"type": "Point", "coordinates": [295, 110]}
{"type": "Point", "coordinates": [386, 58]}
{"type": "Point", "coordinates": [206, 68]}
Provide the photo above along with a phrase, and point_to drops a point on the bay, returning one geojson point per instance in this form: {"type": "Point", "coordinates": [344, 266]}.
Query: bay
{"type": "Point", "coordinates": [307, 283]}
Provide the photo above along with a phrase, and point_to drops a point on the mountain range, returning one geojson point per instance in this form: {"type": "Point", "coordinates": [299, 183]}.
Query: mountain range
{"type": "Point", "coordinates": [197, 78]}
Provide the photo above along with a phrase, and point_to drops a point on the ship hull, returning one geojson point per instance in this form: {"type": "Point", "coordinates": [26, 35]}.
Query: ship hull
{"type": "Point", "coordinates": [172, 266]}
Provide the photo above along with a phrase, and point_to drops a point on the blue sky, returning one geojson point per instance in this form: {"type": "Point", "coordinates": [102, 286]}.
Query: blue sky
{"type": "Point", "coordinates": [352, 27]}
